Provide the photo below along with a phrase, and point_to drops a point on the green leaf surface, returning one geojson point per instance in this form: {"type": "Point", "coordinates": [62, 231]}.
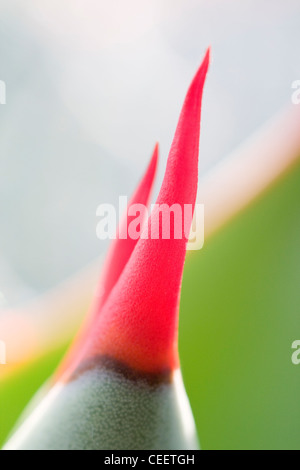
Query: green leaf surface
{"type": "Point", "coordinates": [240, 313]}
{"type": "Point", "coordinates": [17, 390]}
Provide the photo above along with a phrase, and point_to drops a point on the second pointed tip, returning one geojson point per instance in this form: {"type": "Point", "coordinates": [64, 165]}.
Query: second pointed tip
{"type": "Point", "coordinates": [155, 156]}
{"type": "Point", "coordinates": [156, 150]}
{"type": "Point", "coordinates": [208, 53]}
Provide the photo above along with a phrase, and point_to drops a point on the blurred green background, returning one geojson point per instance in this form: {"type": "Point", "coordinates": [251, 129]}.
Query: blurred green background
{"type": "Point", "coordinates": [239, 317]}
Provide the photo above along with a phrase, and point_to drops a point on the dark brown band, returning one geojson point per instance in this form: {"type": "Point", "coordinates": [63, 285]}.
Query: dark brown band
{"type": "Point", "coordinates": [119, 367]}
